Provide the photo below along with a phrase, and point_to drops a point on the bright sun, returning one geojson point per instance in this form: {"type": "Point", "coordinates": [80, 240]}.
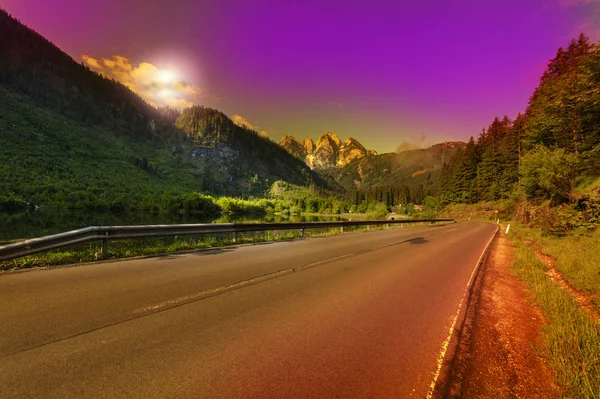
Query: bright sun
{"type": "Point", "coordinates": [167, 76]}
{"type": "Point", "coordinates": [159, 85]}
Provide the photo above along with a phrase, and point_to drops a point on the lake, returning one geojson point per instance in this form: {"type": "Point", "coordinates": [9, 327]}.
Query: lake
{"type": "Point", "coordinates": [15, 226]}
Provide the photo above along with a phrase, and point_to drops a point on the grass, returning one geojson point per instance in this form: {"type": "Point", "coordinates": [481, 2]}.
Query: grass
{"type": "Point", "coordinates": [588, 185]}
{"type": "Point", "coordinates": [89, 252]}
{"type": "Point", "coordinates": [577, 257]}
{"type": "Point", "coordinates": [571, 339]}
{"type": "Point", "coordinates": [120, 249]}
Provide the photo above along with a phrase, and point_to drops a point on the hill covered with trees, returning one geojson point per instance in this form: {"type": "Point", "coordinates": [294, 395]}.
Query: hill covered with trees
{"type": "Point", "coordinates": [70, 137]}
{"type": "Point", "coordinates": [546, 162]}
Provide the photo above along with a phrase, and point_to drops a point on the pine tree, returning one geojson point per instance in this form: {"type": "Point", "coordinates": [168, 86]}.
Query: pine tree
{"type": "Point", "coordinates": [559, 112]}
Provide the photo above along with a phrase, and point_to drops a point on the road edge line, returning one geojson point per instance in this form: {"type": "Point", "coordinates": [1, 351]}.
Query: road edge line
{"type": "Point", "coordinates": [466, 295]}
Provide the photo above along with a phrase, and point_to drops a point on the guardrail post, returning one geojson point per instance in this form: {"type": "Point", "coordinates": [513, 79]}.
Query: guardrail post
{"type": "Point", "coordinates": [234, 237]}
{"type": "Point", "coordinates": [302, 233]}
{"type": "Point", "coordinates": [368, 228]}
{"type": "Point", "coordinates": [342, 229]}
{"type": "Point", "coordinates": [387, 226]}
{"type": "Point", "coordinates": [103, 245]}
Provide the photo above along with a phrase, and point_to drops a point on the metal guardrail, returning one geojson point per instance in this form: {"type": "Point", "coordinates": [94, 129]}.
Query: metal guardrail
{"type": "Point", "coordinates": [106, 233]}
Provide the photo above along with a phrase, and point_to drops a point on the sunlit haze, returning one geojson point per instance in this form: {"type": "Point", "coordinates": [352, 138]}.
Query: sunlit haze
{"type": "Point", "coordinates": [388, 73]}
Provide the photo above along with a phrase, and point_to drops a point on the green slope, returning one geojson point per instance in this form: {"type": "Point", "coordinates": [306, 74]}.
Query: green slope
{"type": "Point", "coordinates": [72, 138]}
{"type": "Point", "coordinates": [49, 159]}
{"type": "Point", "coordinates": [409, 168]}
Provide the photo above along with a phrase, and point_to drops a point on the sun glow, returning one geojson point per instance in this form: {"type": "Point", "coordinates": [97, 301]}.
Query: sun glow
{"type": "Point", "coordinates": [157, 85]}
{"type": "Point", "coordinates": [166, 93]}
{"type": "Point", "coordinates": [167, 76]}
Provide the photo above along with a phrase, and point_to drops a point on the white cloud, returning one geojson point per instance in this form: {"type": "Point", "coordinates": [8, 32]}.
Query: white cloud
{"type": "Point", "coordinates": [158, 86]}
{"type": "Point", "coordinates": [241, 121]}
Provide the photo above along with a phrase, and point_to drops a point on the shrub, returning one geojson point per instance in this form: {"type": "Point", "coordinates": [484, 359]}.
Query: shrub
{"type": "Point", "coordinates": [549, 174]}
{"type": "Point", "coordinates": [12, 204]}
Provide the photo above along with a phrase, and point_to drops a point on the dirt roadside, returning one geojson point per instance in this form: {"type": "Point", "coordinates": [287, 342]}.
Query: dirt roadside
{"type": "Point", "coordinates": [496, 355]}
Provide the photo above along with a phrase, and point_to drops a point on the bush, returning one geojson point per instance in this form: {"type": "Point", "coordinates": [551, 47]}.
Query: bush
{"type": "Point", "coordinates": [380, 212]}
{"type": "Point", "coordinates": [12, 204]}
{"type": "Point", "coordinates": [549, 174]}
{"type": "Point", "coordinates": [560, 220]}
{"type": "Point", "coordinates": [240, 206]}
{"type": "Point", "coordinates": [296, 210]}
{"type": "Point", "coordinates": [196, 202]}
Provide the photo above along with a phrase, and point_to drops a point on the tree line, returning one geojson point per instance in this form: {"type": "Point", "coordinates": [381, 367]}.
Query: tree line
{"type": "Point", "coordinates": [543, 154]}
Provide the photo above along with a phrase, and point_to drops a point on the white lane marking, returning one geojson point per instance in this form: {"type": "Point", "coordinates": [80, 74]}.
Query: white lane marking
{"type": "Point", "coordinates": [259, 279]}
{"type": "Point", "coordinates": [446, 342]}
{"type": "Point", "coordinates": [215, 291]}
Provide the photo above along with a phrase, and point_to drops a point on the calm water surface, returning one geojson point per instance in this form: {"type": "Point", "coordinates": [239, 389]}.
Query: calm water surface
{"type": "Point", "coordinates": [40, 223]}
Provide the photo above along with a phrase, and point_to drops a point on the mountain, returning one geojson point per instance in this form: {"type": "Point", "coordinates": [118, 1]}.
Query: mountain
{"type": "Point", "coordinates": [71, 137]}
{"type": "Point", "coordinates": [358, 170]}
{"type": "Point", "coordinates": [31, 65]}
{"type": "Point", "coordinates": [408, 168]}
{"type": "Point", "coordinates": [328, 152]}
{"type": "Point", "coordinates": [349, 151]}
{"type": "Point", "coordinates": [232, 153]}
{"type": "Point", "coordinates": [295, 147]}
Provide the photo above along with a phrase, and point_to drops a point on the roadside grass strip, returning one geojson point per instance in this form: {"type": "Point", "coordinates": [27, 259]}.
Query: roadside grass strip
{"type": "Point", "coordinates": [130, 248]}
{"type": "Point", "coordinates": [576, 256]}
{"type": "Point", "coordinates": [571, 338]}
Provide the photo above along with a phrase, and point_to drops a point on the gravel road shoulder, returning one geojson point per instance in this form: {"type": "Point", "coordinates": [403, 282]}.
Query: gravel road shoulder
{"type": "Point", "coordinates": [496, 355]}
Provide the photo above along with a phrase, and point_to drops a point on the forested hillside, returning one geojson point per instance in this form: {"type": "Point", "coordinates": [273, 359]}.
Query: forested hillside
{"type": "Point", "coordinates": [236, 157]}
{"type": "Point", "coordinates": [547, 160]}
{"type": "Point", "coordinates": [70, 137]}
{"type": "Point", "coordinates": [31, 65]}
{"type": "Point", "coordinates": [408, 177]}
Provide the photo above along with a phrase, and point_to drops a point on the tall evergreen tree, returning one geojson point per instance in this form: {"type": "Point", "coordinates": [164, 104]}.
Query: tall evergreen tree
{"type": "Point", "coordinates": [561, 112]}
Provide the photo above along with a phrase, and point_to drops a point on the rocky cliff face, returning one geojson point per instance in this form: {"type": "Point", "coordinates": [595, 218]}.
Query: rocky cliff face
{"type": "Point", "coordinates": [295, 147]}
{"type": "Point", "coordinates": [349, 151]}
{"type": "Point", "coordinates": [309, 145]}
{"type": "Point", "coordinates": [328, 152]}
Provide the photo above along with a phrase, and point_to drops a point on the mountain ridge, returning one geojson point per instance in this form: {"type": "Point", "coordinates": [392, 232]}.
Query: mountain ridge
{"type": "Point", "coordinates": [50, 98]}
{"type": "Point", "coordinates": [58, 119]}
{"type": "Point", "coordinates": [328, 152]}
{"type": "Point", "coordinates": [411, 168]}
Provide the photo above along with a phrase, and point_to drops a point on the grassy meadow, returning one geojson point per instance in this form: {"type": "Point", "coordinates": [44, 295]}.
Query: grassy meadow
{"type": "Point", "coordinates": [571, 337]}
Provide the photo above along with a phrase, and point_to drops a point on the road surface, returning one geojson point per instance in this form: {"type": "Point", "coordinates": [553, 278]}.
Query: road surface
{"type": "Point", "coordinates": [357, 315]}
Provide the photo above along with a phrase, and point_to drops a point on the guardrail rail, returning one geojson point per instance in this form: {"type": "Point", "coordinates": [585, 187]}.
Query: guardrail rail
{"type": "Point", "coordinates": [107, 233]}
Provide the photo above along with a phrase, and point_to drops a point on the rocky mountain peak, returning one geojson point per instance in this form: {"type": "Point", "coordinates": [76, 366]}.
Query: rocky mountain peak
{"type": "Point", "coordinates": [293, 146]}
{"type": "Point", "coordinates": [329, 142]}
{"type": "Point", "coordinates": [309, 145]}
{"type": "Point", "coordinates": [328, 152]}
{"type": "Point", "coordinates": [351, 142]}
{"type": "Point", "coordinates": [350, 150]}
{"type": "Point", "coordinates": [286, 139]}
{"type": "Point", "coordinates": [333, 137]}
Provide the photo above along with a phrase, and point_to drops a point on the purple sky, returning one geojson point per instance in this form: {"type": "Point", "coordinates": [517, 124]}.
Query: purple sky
{"type": "Point", "coordinates": [383, 72]}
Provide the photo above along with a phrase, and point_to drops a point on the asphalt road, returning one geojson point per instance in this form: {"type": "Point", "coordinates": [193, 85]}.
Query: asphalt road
{"type": "Point", "coordinates": [358, 315]}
